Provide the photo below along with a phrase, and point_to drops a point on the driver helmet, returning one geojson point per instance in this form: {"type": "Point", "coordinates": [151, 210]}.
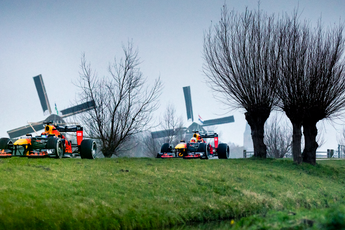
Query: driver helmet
{"type": "Point", "coordinates": [193, 140]}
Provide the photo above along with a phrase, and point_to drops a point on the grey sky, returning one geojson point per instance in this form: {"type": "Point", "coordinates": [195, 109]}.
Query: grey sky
{"type": "Point", "coordinates": [49, 37]}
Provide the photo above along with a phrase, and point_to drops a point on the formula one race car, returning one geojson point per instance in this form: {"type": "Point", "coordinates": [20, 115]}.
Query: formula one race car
{"type": "Point", "coordinates": [196, 148]}
{"type": "Point", "coordinates": [51, 143]}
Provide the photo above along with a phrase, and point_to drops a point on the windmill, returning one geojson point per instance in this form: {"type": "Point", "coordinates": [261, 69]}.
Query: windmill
{"type": "Point", "coordinates": [54, 118]}
{"type": "Point", "coordinates": [194, 126]}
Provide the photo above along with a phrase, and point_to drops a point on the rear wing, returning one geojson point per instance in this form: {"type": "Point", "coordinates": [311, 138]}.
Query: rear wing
{"type": "Point", "coordinates": [215, 136]}
{"type": "Point", "coordinates": [72, 129]}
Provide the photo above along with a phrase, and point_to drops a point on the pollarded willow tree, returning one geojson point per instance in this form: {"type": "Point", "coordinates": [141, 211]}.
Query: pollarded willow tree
{"type": "Point", "coordinates": [124, 102]}
{"type": "Point", "coordinates": [326, 85]}
{"type": "Point", "coordinates": [292, 80]}
{"type": "Point", "coordinates": [311, 83]}
{"type": "Point", "coordinates": [241, 55]}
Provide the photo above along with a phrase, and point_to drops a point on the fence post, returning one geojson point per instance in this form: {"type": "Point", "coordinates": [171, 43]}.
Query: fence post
{"type": "Point", "coordinates": [244, 153]}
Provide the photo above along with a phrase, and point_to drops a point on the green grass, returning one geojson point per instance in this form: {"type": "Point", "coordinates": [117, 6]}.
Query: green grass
{"type": "Point", "coordinates": [132, 193]}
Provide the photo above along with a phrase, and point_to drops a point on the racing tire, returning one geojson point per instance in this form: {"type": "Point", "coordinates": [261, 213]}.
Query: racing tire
{"type": "Point", "coordinates": [56, 145]}
{"type": "Point", "coordinates": [88, 149]}
{"type": "Point", "coordinates": [223, 151]}
{"type": "Point", "coordinates": [5, 143]}
{"type": "Point", "coordinates": [165, 148]}
{"type": "Point", "coordinates": [204, 148]}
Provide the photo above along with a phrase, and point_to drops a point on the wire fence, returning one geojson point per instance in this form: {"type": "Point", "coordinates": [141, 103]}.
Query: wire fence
{"type": "Point", "coordinates": [329, 153]}
{"type": "Point", "coordinates": [340, 153]}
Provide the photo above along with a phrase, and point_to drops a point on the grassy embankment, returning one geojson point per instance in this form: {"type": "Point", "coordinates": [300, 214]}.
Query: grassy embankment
{"type": "Point", "coordinates": [134, 193]}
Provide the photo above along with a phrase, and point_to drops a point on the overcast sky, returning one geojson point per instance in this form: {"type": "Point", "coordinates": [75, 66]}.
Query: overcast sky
{"type": "Point", "coordinates": [49, 38]}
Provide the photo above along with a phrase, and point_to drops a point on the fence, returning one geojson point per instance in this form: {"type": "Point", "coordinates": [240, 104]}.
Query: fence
{"type": "Point", "coordinates": [341, 151]}
{"type": "Point", "coordinates": [330, 153]}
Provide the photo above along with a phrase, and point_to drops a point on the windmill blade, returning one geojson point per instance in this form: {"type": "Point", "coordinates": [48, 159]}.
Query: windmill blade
{"type": "Point", "coordinates": [166, 133]}
{"type": "Point", "coordinates": [78, 109]}
{"type": "Point", "coordinates": [219, 121]}
{"type": "Point", "coordinates": [21, 131]}
{"type": "Point", "coordinates": [162, 133]}
{"type": "Point", "coordinates": [35, 126]}
{"type": "Point", "coordinates": [42, 94]}
{"type": "Point", "coordinates": [188, 100]}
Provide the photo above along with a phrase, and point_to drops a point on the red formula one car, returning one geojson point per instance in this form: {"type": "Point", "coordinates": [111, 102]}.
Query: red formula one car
{"type": "Point", "coordinates": [196, 148]}
{"type": "Point", "coordinates": [51, 143]}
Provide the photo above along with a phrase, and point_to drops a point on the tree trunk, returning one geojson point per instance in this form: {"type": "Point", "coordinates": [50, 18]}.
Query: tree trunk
{"type": "Point", "coordinates": [296, 142]}
{"type": "Point", "coordinates": [107, 152]}
{"type": "Point", "coordinates": [310, 133]}
{"type": "Point", "coordinates": [256, 122]}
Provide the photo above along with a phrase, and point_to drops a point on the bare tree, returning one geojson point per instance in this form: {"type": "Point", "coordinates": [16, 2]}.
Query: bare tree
{"type": "Point", "coordinates": [291, 92]}
{"type": "Point", "coordinates": [124, 103]}
{"type": "Point", "coordinates": [312, 85]}
{"type": "Point", "coordinates": [171, 127]}
{"type": "Point", "coordinates": [241, 55]}
{"type": "Point", "coordinates": [341, 138]}
{"type": "Point", "coordinates": [326, 86]}
{"type": "Point", "coordinates": [152, 146]}
{"type": "Point", "coordinates": [278, 138]}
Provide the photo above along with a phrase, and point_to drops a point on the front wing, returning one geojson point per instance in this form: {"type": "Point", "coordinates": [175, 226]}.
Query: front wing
{"type": "Point", "coordinates": [193, 155]}
{"type": "Point", "coordinates": [165, 155]}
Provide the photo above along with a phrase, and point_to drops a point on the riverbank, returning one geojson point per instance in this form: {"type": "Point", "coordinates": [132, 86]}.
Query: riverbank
{"type": "Point", "coordinates": [138, 193]}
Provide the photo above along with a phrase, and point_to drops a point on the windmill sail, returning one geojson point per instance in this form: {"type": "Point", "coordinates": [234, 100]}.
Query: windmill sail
{"type": "Point", "coordinates": [219, 121]}
{"type": "Point", "coordinates": [25, 129]}
{"type": "Point", "coordinates": [78, 109]}
{"type": "Point", "coordinates": [35, 126]}
{"type": "Point", "coordinates": [42, 94]}
{"type": "Point", "coordinates": [188, 100]}
{"type": "Point", "coordinates": [194, 126]}
{"type": "Point", "coordinates": [55, 119]}
{"type": "Point", "coordinates": [166, 133]}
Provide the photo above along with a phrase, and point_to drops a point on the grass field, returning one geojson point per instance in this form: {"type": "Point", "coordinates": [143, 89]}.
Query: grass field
{"type": "Point", "coordinates": [144, 193]}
